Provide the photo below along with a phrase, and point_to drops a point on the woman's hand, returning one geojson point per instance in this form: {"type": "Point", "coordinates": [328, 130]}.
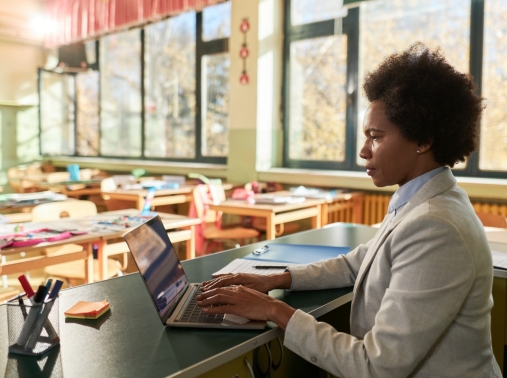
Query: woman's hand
{"type": "Point", "coordinates": [257, 282]}
{"type": "Point", "coordinates": [245, 302]}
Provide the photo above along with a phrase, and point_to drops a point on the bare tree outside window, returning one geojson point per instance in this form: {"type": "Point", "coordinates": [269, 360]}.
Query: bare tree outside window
{"type": "Point", "coordinates": [390, 26]}
{"type": "Point", "coordinates": [170, 87]}
{"type": "Point", "coordinates": [493, 145]}
{"type": "Point", "coordinates": [87, 127]}
{"type": "Point", "coordinates": [216, 21]}
{"type": "Point", "coordinates": [57, 113]}
{"type": "Point", "coordinates": [215, 109]}
{"type": "Point", "coordinates": [318, 73]}
{"type": "Point", "coordinates": [120, 100]}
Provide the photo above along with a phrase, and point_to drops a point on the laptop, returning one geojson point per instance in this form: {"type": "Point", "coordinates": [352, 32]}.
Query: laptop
{"type": "Point", "coordinates": [167, 284]}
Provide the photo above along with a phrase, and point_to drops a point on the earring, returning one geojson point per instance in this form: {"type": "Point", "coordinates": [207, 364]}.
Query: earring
{"type": "Point", "coordinates": [418, 151]}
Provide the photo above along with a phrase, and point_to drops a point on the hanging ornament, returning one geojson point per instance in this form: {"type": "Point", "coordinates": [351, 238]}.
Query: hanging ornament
{"type": "Point", "coordinates": [245, 25]}
{"type": "Point", "coordinates": [243, 53]}
{"type": "Point", "coordinates": [244, 79]}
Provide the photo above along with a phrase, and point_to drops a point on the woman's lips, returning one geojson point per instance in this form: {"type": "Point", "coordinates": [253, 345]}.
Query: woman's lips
{"type": "Point", "coordinates": [370, 171]}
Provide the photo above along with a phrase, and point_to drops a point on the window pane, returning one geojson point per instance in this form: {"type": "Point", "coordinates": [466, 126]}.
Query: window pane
{"type": "Point", "coordinates": [216, 21]}
{"type": "Point", "coordinates": [390, 26]}
{"type": "Point", "coordinates": [57, 114]}
{"type": "Point", "coordinates": [170, 87]}
{"type": "Point", "coordinates": [87, 93]}
{"type": "Point", "coordinates": [493, 148]}
{"type": "Point", "coordinates": [318, 70]}
{"type": "Point", "coordinates": [215, 109]}
{"type": "Point", "coordinates": [306, 11]}
{"type": "Point", "coordinates": [120, 98]}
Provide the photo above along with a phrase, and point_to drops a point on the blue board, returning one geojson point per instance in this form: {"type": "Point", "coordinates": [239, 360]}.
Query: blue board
{"type": "Point", "coordinates": [298, 253]}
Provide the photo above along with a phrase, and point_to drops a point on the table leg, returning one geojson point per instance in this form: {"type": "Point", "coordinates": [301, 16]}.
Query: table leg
{"type": "Point", "coordinates": [323, 214]}
{"type": "Point", "coordinates": [140, 203]}
{"type": "Point", "coordinates": [317, 219]}
{"type": "Point", "coordinates": [270, 227]}
{"type": "Point", "coordinates": [191, 244]}
{"type": "Point", "coordinates": [102, 258]}
{"type": "Point", "coordinates": [89, 263]}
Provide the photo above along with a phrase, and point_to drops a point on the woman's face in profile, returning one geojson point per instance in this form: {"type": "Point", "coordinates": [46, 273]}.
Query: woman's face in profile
{"type": "Point", "coordinates": [390, 159]}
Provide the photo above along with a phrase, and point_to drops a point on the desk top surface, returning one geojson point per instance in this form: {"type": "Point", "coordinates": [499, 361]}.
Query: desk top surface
{"type": "Point", "coordinates": [130, 339]}
{"type": "Point", "coordinates": [170, 221]}
{"type": "Point", "coordinates": [231, 204]}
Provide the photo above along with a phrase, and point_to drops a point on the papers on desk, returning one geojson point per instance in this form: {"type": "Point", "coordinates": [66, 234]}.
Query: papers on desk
{"type": "Point", "coordinates": [246, 266]}
{"type": "Point", "coordinates": [499, 259]}
{"type": "Point", "coordinates": [278, 200]}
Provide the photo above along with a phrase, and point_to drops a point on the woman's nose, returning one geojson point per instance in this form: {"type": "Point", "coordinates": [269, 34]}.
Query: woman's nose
{"type": "Point", "coordinates": [365, 152]}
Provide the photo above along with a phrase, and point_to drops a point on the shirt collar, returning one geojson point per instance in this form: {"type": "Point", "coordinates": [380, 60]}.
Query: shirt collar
{"type": "Point", "coordinates": [407, 191]}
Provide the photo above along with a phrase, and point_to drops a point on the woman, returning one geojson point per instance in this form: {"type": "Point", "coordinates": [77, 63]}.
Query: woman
{"type": "Point", "coordinates": [422, 285]}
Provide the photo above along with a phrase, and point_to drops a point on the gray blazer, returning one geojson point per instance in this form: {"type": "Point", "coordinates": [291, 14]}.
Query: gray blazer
{"type": "Point", "coordinates": [422, 295]}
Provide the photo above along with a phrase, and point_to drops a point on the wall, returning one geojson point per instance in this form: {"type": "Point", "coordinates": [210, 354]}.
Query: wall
{"type": "Point", "coordinates": [22, 53]}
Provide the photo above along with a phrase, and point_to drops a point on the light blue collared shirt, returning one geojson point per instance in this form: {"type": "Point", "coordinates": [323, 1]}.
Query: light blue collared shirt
{"type": "Point", "coordinates": [400, 198]}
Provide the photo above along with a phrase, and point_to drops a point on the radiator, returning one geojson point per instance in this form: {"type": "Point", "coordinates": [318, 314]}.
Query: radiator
{"type": "Point", "coordinates": [375, 208]}
{"type": "Point", "coordinates": [491, 208]}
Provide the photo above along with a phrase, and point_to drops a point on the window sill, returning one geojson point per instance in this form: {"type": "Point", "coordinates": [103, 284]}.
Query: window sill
{"type": "Point", "coordinates": [476, 188]}
{"type": "Point", "coordinates": [153, 167]}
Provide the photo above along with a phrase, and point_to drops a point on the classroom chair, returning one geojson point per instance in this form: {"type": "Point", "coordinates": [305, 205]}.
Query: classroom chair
{"type": "Point", "coordinates": [74, 271]}
{"type": "Point", "coordinates": [210, 231]}
{"type": "Point", "coordinates": [492, 220]}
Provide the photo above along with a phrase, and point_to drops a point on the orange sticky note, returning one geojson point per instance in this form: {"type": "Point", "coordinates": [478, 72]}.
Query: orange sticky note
{"type": "Point", "coordinates": [87, 310]}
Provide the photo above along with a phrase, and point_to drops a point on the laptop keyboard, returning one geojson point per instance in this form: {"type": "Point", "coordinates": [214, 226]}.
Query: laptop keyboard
{"type": "Point", "coordinates": [194, 314]}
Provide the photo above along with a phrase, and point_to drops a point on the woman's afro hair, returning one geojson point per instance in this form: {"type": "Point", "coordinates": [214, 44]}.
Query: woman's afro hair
{"type": "Point", "coordinates": [429, 101]}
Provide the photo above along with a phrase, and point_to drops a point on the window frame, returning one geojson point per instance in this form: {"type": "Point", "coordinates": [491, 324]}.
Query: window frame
{"type": "Point", "coordinates": [351, 28]}
{"type": "Point", "coordinates": [202, 49]}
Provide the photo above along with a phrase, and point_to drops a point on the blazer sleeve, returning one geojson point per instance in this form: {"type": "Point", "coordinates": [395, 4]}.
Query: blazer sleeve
{"type": "Point", "coordinates": [432, 272]}
{"type": "Point", "coordinates": [332, 273]}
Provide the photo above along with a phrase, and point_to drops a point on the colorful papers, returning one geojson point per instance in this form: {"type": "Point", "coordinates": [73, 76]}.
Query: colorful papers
{"type": "Point", "coordinates": [87, 310]}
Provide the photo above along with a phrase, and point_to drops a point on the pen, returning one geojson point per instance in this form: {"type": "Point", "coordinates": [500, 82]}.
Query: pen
{"type": "Point", "coordinates": [42, 319]}
{"type": "Point", "coordinates": [30, 295]}
{"type": "Point", "coordinates": [269, 267]}
{"type": "Point", "coordinates": [22, 306]}
{"type": "Point", "coordinates": [32, 316]}
{"type": "Point", "coordinates": [26, 286]}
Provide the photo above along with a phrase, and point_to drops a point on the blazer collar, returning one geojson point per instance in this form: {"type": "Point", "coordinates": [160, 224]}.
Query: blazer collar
{"type": "Point", "coordinates": [437, 185]}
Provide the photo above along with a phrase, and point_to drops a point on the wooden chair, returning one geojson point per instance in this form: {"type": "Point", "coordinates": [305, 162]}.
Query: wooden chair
{"type": "Point", "coordinates": [492, 220]}
{"type": "Point", "coordinates": [211, 231]}
{"type": "Point", "coordinates": [74, 271]}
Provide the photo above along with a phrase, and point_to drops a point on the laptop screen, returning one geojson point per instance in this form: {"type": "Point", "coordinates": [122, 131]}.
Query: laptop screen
{"type": "Point", "coordinates": [158, 264]}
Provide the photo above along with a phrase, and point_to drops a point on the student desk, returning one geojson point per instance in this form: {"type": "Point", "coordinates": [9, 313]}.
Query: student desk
{"type": "Point", "coordinates": [130, 341]}
{"type": "Point", "coordinates": [497, 238]}
{"type": "Point", "coordinates": [98, 237]}
{"type": "Point", "coordinates": [275, 214]}
{"type": "Point", "coordinates": [162, 197]}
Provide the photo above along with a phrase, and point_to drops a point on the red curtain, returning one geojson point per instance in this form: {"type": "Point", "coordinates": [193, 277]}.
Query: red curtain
{"type": "Point", "coordinates": [75, 20]}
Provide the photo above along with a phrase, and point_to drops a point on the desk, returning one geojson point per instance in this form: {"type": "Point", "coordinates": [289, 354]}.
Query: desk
{"type": "Point", "coordinates": [275, 214]}
{"type": "Point", "coordinates": [131, 341]}
{"type": "Point", "coordinates": [100, 238]}
{"type": "Point", "coordinates": [18, 206]}
{"type": "Point", "coordinates": [497, 238]}
{"type": "Point", "coordinates": [162, 197]}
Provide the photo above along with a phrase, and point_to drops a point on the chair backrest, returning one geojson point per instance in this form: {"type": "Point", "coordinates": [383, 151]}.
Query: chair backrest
{"type": "Point", "coordinates": [492, 220]}
{"type": "Point", "coordinates": [108, 184]}
{"type": "Point", "coordinates": [56, 210]}
{"type": "Point", "coordinates": [57, 177]}
{"type": "Point", "coordinates": [203, 197]}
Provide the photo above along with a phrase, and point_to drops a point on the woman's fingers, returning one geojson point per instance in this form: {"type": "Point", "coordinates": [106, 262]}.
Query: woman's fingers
{"type": "Point", "coordinates": [222, 281]}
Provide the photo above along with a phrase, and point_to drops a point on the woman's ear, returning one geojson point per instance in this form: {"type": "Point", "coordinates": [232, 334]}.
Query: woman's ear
{"type": "Point", "coordinates": [423, 147]}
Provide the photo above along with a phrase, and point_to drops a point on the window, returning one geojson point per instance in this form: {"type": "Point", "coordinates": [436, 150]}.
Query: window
{"type": "Point", "coordinates": [319, 84]}
{"type": "Point", "coordinates": [57, 113]}
{"type": "Point", "coordinates": [120, 94]}
{"type": "Point", "coordinates": [169, 100]}
{"type": "Point", "coordinates": [493, 145]}
{"type": "Point", "coordinates": [324, 54]}
{"type": "Point", "coordinates": [161, 92]}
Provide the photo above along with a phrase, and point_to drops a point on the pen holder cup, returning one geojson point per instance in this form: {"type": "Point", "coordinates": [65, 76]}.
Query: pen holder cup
{"type": "Point", "coordinates": [34, 326]}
